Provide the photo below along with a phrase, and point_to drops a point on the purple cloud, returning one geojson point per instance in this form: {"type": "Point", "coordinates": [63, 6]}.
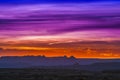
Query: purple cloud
{"type": "Point", "coordinates": [52, 19]}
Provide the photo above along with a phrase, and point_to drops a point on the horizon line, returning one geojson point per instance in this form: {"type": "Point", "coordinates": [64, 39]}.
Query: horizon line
{"type": "Point", "coordinates": [62, 56]}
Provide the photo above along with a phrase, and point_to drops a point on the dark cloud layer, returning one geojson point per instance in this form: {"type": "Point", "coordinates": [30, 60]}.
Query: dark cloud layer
{"type": "Point", "coordinates": [47, 1]}
{"type": "Point", "coordinates": [99, 22]}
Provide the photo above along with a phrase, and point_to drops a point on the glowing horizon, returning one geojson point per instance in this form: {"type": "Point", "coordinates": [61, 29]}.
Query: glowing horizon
{"type": "Point", "coordinates": [83, 29]}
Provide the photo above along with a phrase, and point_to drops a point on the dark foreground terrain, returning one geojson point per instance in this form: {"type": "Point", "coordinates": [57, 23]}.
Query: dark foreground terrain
{"type": "Point", "coordinates": [57, 74]}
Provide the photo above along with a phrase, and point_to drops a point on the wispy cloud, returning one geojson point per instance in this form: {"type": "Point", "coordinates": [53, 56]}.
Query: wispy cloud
{"type": "Point", "coordinates": [81, 21]}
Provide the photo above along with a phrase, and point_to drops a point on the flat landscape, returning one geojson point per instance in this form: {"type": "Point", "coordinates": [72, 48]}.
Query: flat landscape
{"type": "Point", "coordinates": [57, 74]}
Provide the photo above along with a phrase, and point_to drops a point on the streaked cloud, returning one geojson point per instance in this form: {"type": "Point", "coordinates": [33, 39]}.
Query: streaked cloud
{"type": "Point", "coordinates": [53, 25]}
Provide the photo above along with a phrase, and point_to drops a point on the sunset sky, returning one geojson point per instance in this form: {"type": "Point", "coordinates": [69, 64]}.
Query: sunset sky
{"type": "Point", "coordinates": [80, 28]}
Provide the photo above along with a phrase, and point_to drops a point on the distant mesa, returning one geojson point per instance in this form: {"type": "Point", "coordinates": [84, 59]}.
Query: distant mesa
{"type": "Point", "coordinates": [39, 56]}
{"type": "Point", "coordinates": [72, 57]}
{"type": "Point", "coordinates": [71, 62]}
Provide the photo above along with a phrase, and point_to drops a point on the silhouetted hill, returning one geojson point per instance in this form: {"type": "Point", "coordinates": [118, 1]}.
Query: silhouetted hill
{"type": "Point", "coordinates": [28, 61]}
{"type": "Point", "coordinates": [102, 66]}
{"type": "Point", "coordinates": [59, 62]}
